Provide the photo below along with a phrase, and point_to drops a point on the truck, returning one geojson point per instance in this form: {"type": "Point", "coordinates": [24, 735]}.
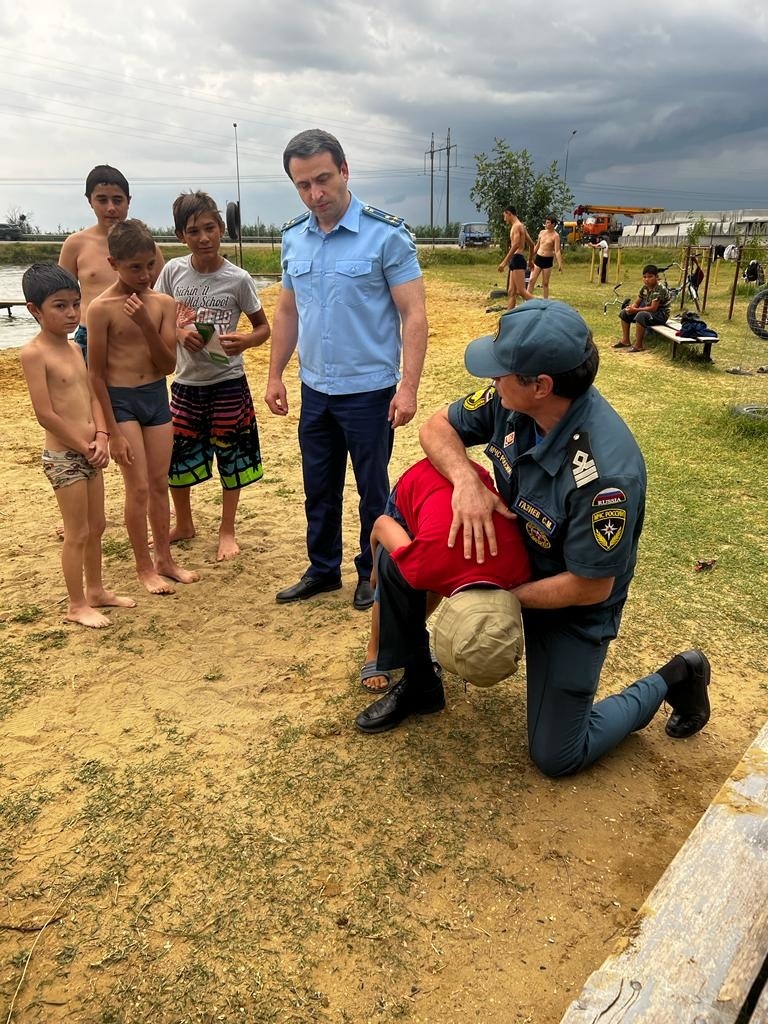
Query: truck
{"type": "Point", "coordinates": [474, 233]}
{"type": "Point", "coordinates": [594, 222]}
{"type": "Point", "coordinates": [10, 232]}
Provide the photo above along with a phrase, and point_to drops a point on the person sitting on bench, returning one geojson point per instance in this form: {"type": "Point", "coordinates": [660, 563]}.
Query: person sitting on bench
{"type": "Point", "coordinates": [651, 307]}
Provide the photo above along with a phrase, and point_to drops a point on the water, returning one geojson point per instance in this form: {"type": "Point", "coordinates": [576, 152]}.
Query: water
{"type": "Point", "coordinates": [18, 328]}
{"type": "Point", "coordinates": [21, 325]}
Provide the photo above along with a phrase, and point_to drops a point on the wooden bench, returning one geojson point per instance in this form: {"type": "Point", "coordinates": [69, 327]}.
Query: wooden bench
{"type": "Point", "coordinates": [697, 952]}
{"type": "Point", "coordinates": [669, 331]}
{"type": "Point", "coordinates": [7, 305]}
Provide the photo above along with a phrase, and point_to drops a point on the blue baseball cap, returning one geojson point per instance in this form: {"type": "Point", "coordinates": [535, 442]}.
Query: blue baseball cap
{"type": "Point", "coordinates": [540, 336]}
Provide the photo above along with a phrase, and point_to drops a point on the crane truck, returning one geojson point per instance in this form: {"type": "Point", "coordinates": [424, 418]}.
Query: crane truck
{"type": "Point", "coordinates": [593, 222]}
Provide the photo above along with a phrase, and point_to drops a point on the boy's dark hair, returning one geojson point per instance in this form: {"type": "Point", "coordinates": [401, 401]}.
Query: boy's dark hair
{"type": "Point", "coordinates": [310, 143]}
{"type": "Point", "coordinates": [106, 175]}
{"type": "Point", "coordinates": [576, 382]}
{"type": "Point", "coordinates": [551, 217]}
{"type": "Point", "coordinates": [651, 268]}
{"type": "Point", "coordinates": [128, 238]}
{"type": "Point", "coordinates": [510, 209]}
{"type": "Point", "coordinates": [43, 279]}
{"type": "Point", "coordinates": [193, 204]}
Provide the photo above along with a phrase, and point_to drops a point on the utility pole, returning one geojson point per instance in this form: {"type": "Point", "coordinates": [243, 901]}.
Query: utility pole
{"type": "Point", "coordinates": [239, 221]}
{"type": "Point", "coordinates": [431, 153]}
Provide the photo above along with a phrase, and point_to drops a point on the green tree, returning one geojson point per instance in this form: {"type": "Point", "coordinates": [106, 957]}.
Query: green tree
{"type": "Point", "coordinates": [22, 220]}
{"type": "Point", "coordinates": [509, 178]}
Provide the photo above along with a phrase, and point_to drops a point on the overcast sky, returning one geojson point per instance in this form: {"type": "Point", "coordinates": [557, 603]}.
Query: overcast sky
{"type": "Point", "coordinates": [669, 103]}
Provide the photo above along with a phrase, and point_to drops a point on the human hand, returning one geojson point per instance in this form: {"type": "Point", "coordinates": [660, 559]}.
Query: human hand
{"type": "Point", "coordinates": [134, 308]}
{"type": "Point", "coordinates": [189, 339]}
{"type": "Point", "coordinates": [276, 397]}
{"type": "Point", "coordinates": [473, 507]}
{"type": "Point", "coordinates": [120, 450]}
{"type": "Point", "coordinates": [97, 452]}
{"type": "Point", "coordinates": [403, 406]}
{"type": "Point", "coordinates": [235, 344]}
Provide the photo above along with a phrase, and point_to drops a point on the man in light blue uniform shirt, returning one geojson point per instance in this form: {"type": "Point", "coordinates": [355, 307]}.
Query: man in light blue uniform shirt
{"type": "Point", "coordinates": [353, 302]}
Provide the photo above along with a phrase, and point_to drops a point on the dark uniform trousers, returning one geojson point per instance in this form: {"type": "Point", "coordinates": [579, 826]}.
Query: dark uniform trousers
{"type": "Point", "coordinates": [330, 428]}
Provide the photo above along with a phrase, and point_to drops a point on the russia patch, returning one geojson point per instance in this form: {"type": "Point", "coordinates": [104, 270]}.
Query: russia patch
{"type": "Point", "coordinates": [609, 496]}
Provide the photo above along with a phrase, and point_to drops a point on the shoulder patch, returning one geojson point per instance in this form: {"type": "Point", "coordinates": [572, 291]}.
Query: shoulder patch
{"type": "Point", "coordinates": [479, 398]}
{"type": "Point", "coordinates": [296, 220]}
{"type": "Point", "coordinates": [388, 218]}
{"type": "Point", "coordinates": [581, 459]}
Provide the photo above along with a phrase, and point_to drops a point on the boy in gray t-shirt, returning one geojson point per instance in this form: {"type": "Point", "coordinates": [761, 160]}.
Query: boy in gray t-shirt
{"type": "Point", "coordinates": [210, 399]}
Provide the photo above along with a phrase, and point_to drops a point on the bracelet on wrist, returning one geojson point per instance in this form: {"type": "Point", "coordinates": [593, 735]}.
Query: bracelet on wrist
{"type": "Point", "coordinates": [106, 432]}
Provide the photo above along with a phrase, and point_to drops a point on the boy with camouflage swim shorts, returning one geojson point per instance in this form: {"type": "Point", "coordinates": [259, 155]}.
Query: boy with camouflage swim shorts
{"type": "Point", "coordinates": [76, 438]}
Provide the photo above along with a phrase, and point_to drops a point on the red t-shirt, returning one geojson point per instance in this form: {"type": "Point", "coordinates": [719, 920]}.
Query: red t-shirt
{"type": "Point", "coordinates": [423, 498]}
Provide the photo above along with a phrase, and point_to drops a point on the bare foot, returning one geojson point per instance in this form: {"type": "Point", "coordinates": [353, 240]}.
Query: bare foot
{"type": "Point", "coordinates": [181, 533]}
{"type": "Point", "coordinates": [155, 583]}
{"type": "Point", "coordinates": [87, 616]}
{"type": "Point", "coordinates": [175, 572]}
{"type": "Point", "coordinates": [377, 684]}
{"type": "Point", "coordinates": [106, 599]}
{"type": "Point", "coordinates": [228, 547]}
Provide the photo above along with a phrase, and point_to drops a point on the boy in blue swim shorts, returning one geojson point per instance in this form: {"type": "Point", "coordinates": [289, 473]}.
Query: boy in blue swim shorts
{"type": "Point", "coordinates": [131, 348]}
{"type": "Point", "coordinates": [211, 402]}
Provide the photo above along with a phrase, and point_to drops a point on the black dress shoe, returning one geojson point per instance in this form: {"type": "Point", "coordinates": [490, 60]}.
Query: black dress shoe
{"type": "Point", "coordinates": [689, 699]}
{"type": "Point", "coordinates": [307, 586]}
{"type": "Point", "coordinates": [404, 699]}
{"type": "Point", "coordinates": [363, 598]}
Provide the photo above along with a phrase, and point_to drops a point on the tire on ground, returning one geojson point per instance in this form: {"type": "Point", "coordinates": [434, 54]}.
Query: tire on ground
{"type": "Point", "coordinates": [757, 314]}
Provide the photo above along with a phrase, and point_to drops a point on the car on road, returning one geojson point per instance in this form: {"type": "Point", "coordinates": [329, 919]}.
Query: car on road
{"type": "Point", "coordinates": [10, 232]}
{"type": "Point", "coordinates": [474, 233]}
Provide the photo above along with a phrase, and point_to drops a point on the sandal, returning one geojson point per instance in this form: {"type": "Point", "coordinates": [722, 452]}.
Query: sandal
{"type": "Point", "coordinates": [369, 671]}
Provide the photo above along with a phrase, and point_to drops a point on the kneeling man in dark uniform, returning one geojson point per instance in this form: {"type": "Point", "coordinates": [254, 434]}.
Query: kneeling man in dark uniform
{"type": "Point", "coordinates": [568, 467]}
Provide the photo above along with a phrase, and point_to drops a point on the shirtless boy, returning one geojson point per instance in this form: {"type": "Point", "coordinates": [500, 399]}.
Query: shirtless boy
{"type": "Point", "coordinates": [545, 252]}
{"type": "Point", "coordinates": [132, 346]}
{"type": "Point", "coordinates": [76, 438]}
{"type": "Point", "coordinates": [84, 254]}
{"type": "Point", "coordinates": [515, 259]}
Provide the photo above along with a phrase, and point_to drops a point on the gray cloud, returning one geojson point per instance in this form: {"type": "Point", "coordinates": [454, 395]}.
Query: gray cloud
{"type": "Point", "coordinates": [670, 107]}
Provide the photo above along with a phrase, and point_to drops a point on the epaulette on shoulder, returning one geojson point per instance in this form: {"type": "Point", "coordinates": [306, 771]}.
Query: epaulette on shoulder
{"type": "Point", "coordinates": [388, 218]}
{"type": "Point", "coordinates": [296, 220]}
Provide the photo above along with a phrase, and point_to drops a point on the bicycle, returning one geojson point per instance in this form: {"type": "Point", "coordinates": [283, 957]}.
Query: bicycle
{"type": "Point", "coordinates": [757, 314]}
{"type": "Point", "coordinates": [692, 282]}
{"type": "Point", "coordinates": [616, 300]}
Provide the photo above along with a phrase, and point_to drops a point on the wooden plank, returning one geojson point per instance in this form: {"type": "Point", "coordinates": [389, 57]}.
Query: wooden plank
{"type": "Point", "coordinates": [760, 1013]}
{"type": "Point", "coordinates": [701, 938]}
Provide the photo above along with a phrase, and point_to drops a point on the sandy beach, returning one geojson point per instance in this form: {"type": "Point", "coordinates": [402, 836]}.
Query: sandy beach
{"type": "Point", "coordinates": [188, 807]}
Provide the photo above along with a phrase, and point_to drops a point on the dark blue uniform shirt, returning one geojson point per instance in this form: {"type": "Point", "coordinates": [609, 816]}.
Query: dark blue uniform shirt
{"type": "Point", "coordinates": [579, 492]}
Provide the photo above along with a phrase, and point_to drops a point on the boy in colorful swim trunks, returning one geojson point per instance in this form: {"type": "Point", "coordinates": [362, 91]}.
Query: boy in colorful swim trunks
{"type": "Point", "coordinates": [131, 348]}
{"type": "Point", "coordinates": [85, 254]}
{"type": "Point", "coordinates": [76, 438]}
{"type": "Point", "coordinates": [413, 532]}
{"type": "Point", "coordinates": [515, 259]}
{"type": "Point", "coordinates": [545, 252]}
{"type": "Point", "coordinates": [210, 398]}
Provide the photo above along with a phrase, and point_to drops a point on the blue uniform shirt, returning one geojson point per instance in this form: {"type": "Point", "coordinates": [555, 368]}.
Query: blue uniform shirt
{"type": "Point", "coordinates": [349, 326]}
{"type": "Point", "coordinates": [579, 492]}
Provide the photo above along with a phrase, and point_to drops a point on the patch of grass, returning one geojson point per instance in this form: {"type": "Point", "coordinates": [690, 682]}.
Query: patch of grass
{"type": "Point", "coordinates": [27, 613]}
{"type": "Point", "coordinates": [50, 639]}
{"type": "Point", "coordinates": [118, 548]}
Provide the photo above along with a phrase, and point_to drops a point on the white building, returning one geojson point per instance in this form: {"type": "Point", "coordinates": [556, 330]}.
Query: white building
{"type": "Point", "coordinates": [670, 228]}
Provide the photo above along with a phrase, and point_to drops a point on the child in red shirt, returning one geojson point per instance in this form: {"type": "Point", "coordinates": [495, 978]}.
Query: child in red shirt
{"type": "Point", "coordinates": [414, 530]}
